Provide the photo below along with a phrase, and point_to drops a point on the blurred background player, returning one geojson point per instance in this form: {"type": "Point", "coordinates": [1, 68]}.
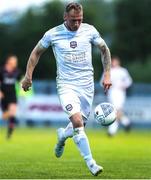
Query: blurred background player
{"type": "Point", "coordinates": [9, 74]}
{"type": "Point", "coordinates": [72, 44]}
{"type": "Point", "coordinates": [121, 80]}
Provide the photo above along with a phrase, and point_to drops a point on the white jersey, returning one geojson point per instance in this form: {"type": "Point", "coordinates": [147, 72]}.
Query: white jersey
{"type": "Point", "coordinates": [72, 50]}
{"type": "Point", "coordinates": [121, 80]}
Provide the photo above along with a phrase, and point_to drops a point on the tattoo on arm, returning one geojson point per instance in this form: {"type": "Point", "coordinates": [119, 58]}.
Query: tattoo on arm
{"type": "Point", "coordinates": [33, 60]}
{"type": "Point", "coordinates": [106, 57]}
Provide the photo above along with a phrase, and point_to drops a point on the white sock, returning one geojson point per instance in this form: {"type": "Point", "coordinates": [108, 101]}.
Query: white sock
{"type": "Point", "coordinates": [82, 143]}
{"type": "Point", "coordinates": [68, 131]}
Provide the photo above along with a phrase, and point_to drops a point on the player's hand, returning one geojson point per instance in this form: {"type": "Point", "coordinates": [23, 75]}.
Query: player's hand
{"type": "Point", "coordinates": [1, 95]}
{"type": "Point", "coordinates": [26, 84]}
{"type": "Point", "coordinates": [106, 86]}
{"type": "Point", "coordinates": [106, 82]}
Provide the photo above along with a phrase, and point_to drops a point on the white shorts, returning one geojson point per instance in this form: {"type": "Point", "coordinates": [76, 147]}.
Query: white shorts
{"type": "Point", "coordinates": [74, 99]}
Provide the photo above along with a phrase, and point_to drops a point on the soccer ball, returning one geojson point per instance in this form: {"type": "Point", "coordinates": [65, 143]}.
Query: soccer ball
{"type": "Point", "coordinates": [105, 113]}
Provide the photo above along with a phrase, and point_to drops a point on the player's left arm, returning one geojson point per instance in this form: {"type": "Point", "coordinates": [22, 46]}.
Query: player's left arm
{"type": "Point", "coordinates": [106, 61]}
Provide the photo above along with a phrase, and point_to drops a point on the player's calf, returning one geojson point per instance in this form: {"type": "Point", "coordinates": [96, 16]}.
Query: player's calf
{"type": "Point", "coordinates": [11, 126]}
{"type": "Point", "coordinates": [82, 143]}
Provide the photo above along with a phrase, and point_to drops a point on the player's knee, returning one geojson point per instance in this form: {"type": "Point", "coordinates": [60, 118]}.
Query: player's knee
{"type": "Point", "coordinates": [5, 115]}
{"type": "Point", "coordinates": [12, 109]}
{"type": "Point", "coordinates": [76, 120]}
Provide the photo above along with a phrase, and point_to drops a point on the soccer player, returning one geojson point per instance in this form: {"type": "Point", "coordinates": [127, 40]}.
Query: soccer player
{"type": "Point", "coordinates": [72, 45]}
{"type": "Point", "coordinates": [9, 74]}
{"type": "Point", "coordinates": [121, 80]}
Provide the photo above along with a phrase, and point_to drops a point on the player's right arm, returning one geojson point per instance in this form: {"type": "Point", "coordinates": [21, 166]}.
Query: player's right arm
{"type": "Point", "coordinates": [31, 64]}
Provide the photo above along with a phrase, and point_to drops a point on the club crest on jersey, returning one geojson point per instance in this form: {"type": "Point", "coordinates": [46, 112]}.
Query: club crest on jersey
{"type": "Point", "coordinates": [69, 107]}
{"type": "Point", "coordinates": [73, 44]}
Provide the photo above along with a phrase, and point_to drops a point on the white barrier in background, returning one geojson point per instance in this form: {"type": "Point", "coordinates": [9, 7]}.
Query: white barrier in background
{"type": "Point", "coordinates": [41, 107]}
{"type": "Point", "coordinates": [47, 107]}
{"type": "Point", "coordinates": [138, 109]}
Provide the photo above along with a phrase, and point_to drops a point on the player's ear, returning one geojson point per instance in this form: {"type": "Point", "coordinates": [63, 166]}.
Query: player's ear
{"type": "Point", "coordinates": [65, 16]}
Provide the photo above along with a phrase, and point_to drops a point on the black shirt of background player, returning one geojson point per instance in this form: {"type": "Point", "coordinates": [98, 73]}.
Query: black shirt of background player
{"type": "Point", "coordinates": [7, 84]}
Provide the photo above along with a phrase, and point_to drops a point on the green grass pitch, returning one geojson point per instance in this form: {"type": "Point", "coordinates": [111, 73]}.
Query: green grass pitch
{"type": "Point", "coordinates": [29, 154]}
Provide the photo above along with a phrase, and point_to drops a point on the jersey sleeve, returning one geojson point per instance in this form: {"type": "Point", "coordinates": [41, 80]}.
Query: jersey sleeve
{"type": "Point", "coordinates": [96, 38]}
{"type": "Point", "coordinates": [46, 40]}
